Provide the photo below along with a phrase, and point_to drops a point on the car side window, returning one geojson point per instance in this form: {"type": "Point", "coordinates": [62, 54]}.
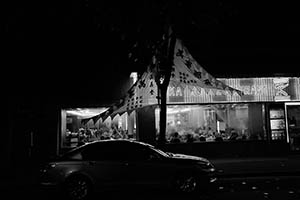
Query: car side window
{"type": "Point", "coordinates": [72, 155]}
{"type": "Point", "coordinates": [139, 153]}
{"type": "Point", "coordinates": [76, 156]}
{"type": "Point", "coordinates": [102, 152]}
{"type": "Point", "coordinates": [116, 151]}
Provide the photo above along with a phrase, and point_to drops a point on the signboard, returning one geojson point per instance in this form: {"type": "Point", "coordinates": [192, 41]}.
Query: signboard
{"type": "Point", "coordinates": [280, 85]}
{"type": "Point", "coordinates": [278, 113]}
{"type": "Point", "coordinates": [176, 94]}
{"type": "Point", "coordinates": [255, 90]}
{"type": "Point", "coordinates": [277, 124]}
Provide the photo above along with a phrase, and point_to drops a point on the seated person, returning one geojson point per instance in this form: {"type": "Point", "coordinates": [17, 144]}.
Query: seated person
{"type": "Point", "coordinates": [189, 138]}
{"type": "Point", "coordinates": [234, 135]}
{"type": "Point", "coordinates": [175, 138]}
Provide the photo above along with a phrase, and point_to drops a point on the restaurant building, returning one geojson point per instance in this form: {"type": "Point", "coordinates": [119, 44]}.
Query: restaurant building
{"type": "Point", "coordinates": [265, 120]}
{"type": "Point", "coordinates": [205, 115]}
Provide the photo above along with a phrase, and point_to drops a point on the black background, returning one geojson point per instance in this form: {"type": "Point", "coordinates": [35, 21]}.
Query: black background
{"type": "Point", "coordinates": [79, 49]}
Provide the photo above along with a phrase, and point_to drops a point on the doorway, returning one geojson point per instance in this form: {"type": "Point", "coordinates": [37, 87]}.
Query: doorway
{"type": "Point", "coordinates": [293, 124]}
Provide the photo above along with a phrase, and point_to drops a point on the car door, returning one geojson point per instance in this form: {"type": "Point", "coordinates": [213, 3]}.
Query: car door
{"type": "Point", "coordinates": [146, 167]}
{"type": "Point", "coordinates": [103, 164]}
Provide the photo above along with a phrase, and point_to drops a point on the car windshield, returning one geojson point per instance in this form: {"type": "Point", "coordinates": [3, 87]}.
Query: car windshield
{"type": "Point", "coordinates": [69, 153]}
{"type": "Point", "coordinates": [161, 152]}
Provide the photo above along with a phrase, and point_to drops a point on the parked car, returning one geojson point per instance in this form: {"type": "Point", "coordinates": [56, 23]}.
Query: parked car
{"type": "Point", "coordinates": [114, 164]}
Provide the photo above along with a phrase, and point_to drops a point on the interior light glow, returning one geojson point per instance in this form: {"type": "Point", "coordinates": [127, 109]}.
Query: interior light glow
{"type": "Point", "coordinates": [134, 76]}
{"type": "Point", "coordinates": [86, 112]}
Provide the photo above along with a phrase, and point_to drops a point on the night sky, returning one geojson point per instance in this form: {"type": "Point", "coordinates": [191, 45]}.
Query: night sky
{"type": "Point", "coordinates": [89, 47]}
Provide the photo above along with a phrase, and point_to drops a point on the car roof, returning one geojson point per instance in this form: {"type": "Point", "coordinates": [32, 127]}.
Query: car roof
{"type": "Point", "coordinates": [110, 141]}
{"type": "Point", "coordinates": [120, 141]}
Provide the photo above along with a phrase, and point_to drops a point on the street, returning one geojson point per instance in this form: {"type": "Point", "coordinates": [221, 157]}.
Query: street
{"type": "Point", "coordinates": [247, 188]}
{"type": "Point", "coordinates": [282, 187]}
{"type": "Point", "coordinates": [265, 178]}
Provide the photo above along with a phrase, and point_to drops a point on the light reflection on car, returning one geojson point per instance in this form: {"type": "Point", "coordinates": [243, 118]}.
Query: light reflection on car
{"type": "Point", "coordinates": [114, 164]}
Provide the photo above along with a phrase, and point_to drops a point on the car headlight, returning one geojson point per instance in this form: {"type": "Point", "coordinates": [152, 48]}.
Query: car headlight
{"type": "Point", "coordinates": [48, 167]}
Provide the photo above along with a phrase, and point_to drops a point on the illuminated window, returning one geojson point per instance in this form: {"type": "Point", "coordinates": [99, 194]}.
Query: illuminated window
{"type": "Point", "coordinates": [79, 126]}
{"type": "Point", "coordinates": [218, 122]}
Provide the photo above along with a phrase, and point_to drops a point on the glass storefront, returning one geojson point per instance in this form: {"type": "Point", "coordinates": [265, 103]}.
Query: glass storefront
{"type": "Point", "coordinates": [78, 126]}
{"type": "Point", "coordinates": [293, 125]}
{"type": "Point", "coordinates": [214, 122]}
{"type": "Point", "coordinates": [268, 111]}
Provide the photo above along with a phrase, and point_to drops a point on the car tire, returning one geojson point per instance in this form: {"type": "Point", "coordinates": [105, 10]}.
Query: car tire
{"type": "Point", "coordinates": [186, 184]}
{"type": "Point", "coordinates": [78, 188]}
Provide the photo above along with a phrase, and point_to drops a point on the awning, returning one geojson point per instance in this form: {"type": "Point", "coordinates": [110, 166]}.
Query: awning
{"type": "Point", "coordinates": [186, 71]}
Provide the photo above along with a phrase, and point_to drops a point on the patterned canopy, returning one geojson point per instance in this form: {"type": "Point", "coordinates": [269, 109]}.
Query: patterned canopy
{"type": "Point", "coordinates": [186, 72]}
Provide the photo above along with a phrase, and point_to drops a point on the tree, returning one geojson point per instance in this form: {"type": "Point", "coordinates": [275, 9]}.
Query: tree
{"type": "Point", "coordinates": [143, 28]}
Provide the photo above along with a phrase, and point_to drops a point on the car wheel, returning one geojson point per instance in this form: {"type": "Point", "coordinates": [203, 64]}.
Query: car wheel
{"type": "Point", "coordinates": [187, 183]}
{"type": "Point", "coordinates": [78, 188]}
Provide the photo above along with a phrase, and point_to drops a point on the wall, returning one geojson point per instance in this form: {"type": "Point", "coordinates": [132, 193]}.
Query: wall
{"type": "Point", "coordinates": [146, 124]}
{"type": "Point", "coordinates": [31, 136]}
{"type": "Point", "coordinates": [230, 149]}
{"type": "Point", "coordinates": [256, 121]}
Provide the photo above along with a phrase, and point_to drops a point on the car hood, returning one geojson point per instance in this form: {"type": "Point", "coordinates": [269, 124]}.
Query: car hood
{"type": "Point", "coordinates": [188, 157]}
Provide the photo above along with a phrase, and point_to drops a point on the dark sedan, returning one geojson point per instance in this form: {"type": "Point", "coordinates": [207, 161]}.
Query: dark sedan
{"type": "Point", "coordinates": [108, 164]}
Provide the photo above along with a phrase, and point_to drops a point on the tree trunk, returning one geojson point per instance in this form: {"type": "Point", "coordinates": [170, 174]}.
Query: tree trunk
{"type": "Point", "coordinates": [164, 87]}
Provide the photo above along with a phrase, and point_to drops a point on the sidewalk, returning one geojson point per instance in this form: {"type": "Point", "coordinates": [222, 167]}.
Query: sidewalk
{"type": "Point", "coordinates": [24, 176]}
{"type": "Point", "coordinates": [257, 166]}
